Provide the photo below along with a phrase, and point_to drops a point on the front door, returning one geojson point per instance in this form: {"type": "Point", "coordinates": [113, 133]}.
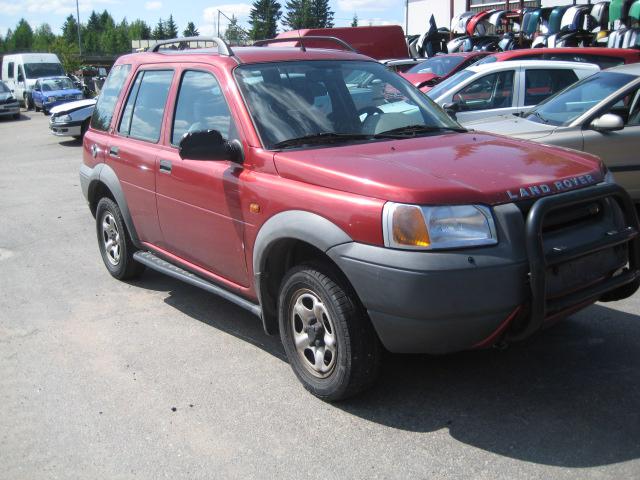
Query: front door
{"type": "Point", "coordinates": [199, 201]}
{"type": "Point", "coordinates": [488, 95]}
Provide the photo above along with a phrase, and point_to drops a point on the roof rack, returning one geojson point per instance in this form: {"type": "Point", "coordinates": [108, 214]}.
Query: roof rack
{"type": "Point", "coordinates": [301, 39]}
{"type": "Point", "coordinates": [223, 47]}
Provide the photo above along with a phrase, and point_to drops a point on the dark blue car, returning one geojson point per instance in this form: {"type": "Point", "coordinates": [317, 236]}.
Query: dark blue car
{"type": "Point", "coordinates": [51, 91]}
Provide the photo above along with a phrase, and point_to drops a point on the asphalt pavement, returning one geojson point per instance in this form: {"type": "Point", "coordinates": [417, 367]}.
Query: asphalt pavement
{"type": "Point", "coordinates": [101, 379]}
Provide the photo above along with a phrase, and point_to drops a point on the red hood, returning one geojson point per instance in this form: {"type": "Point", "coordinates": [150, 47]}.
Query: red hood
{"type": "Point", "coordinates": [451, 168]}
{"type": "Point", "coordinates": [417, 78]}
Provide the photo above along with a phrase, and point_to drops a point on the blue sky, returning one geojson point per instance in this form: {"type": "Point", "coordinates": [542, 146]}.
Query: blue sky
{"type": "Point", "coordinates": [202, 13]}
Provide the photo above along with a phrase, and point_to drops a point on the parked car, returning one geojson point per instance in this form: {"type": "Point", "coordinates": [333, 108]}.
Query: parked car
{"type": "Point", "coordinates": [51, 91]}
{"type": "Point", "coordinates": [260, 174]}
{"type": "Point", "coordinates": [20, 71]}
{"type": "Point", "coordinates": [72, 119]}
{"type": "Point", "coordinates": [598, 115]}
{"type": "Point", "coordinates": [482, 91]}
{"type": "Point", "coordinates": [428, 73]}
{"type": "Point", "coordinates": [603, 57]}
{"type": "Point", "coordinates": [8, 103]}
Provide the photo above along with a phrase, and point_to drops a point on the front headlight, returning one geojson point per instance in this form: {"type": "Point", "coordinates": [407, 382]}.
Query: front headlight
{"type": "Point", "coordinates": [50, 99]}
{"type": "Point", "coordinates": [79, 96]}
{"type": "Point", "coordinates": [62, 119]}
{"type": "Point", "coordinates": [413, 227]}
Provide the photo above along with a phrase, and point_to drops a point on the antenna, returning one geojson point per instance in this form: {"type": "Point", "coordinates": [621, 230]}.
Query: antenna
{"type": "Point", "coordinates": [302, 49]}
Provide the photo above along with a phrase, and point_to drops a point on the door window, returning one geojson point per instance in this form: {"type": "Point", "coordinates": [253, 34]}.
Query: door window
{"type": "Point", "coordinates": [487, 92]}
{"type": "Point", "coordinates": [10, 69]}
{"type": "Point", "coordinates": [201, 106]}
{"type": "Point", "coordinates": [539, 84]}
{"type": "Point", "coordinates": [103, 112]}
{"type": "Point", "coordinates": [144, 110]}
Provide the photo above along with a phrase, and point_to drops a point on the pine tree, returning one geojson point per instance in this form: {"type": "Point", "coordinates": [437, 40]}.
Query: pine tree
{"type": "Point", "coordinates": [264, 18]}
{"type": "Point", "coordinates": [159, 32]}
{"type": "Point", "coordinates": [321, 15]}
{"type": "Point", "coordinates": [43, 37]}
{"type": "Point", "coordinates": [191, 30]}
{"type": "Point", "coordinates": [139, 30]}
{"type": "Point", "coordinates": [23, 37]}
{"type": "Point", "coordinates": [298, 14]}
{"type": "Point", "coordinates": [234, 34]}
{"type": "Point", "coordinates": [354, 22]}
{"type": "Point", "coordinates": [70, 30]}
{"type": "Point", "coordinates": [170, 28]}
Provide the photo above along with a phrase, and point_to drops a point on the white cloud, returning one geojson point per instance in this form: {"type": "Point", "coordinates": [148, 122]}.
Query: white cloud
{"type": "Point", "coordinates": [363, 22]}
{"type": "Point", "coordinates": [362, 5]}
{"type": "Point", "coordinates": [55, 7]}
{"type": "Point", "coordinates": [239, 10]}
{"type": "Point", "coordinates": [153, 5]}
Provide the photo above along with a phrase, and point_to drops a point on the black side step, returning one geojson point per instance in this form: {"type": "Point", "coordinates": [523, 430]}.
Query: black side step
{"type": "Point", "coordinates": [162, 266]}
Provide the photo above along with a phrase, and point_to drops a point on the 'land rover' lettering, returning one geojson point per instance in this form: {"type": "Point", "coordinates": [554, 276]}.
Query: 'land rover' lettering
{"type": "Point", "coordinates": [546, 188]}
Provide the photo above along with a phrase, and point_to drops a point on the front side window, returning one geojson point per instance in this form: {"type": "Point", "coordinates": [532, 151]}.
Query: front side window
{"type": "Point", "coordinates": [487, 92]}
{"type": "Point", "coordinates": [103, 112]}
{"type": "Point", "coordinates": [540, 84]}
{"type": "Point", "coordinates": [144, 110]}
{"type": "Point", "coordinates": [336, 100]}
{"type": "Point", "coordinates": [201, 106]}
{"type": "Point", "coordinates": [449, 83]}
{"type": "Point", "coordinates": [568, 105]}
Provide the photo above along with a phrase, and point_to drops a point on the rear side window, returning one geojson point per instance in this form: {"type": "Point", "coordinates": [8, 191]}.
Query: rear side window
{"type": "Point", "coordinates": [540, 84]}
{"type": "Point", "coordinates": [103, 112]}
{"type": "Point", "coordinates": [200, 107]}
{"type": "Point", "coordinates": [10, 69]}
{"type": "Point", "coordinates": [143, 113]}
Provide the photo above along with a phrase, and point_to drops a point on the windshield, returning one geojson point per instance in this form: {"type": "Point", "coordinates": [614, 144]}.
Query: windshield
{"type": "Point", "coordinates": [51, 84]}
{"type": "Point", "coordinates": [440, 66]}
{"type": "Point", "coordinates": [564, 107]}
{"type": "Point", "coordinates": [39, 70]}
{"type": "Point", "coordinates": [449, 83]}
{"type": "Point", "coordinates": [4, 88]}
{"type": "Point", "coordinates": [333, 101]}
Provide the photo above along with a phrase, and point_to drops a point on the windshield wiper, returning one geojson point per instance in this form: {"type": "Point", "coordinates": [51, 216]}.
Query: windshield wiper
{"type": "Point", "coordinates": [416, 129]}
{"type": "Point", "coordinates": [328, 137]}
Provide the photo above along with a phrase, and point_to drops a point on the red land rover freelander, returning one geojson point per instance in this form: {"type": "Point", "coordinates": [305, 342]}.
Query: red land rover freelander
{"type": "Point", "coordinates": [292, 183]}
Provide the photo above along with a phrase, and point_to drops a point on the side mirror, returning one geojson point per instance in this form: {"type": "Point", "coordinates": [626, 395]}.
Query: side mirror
{"type": "Point", "coordinates": [452, 108]}
{"type": "Point", "coordinates": [607, 123]}
{"type": "Point", "coordinates": [209, 145]}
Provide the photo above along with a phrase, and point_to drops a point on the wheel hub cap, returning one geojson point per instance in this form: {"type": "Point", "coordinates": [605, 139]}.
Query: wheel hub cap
{"type": "Point", "coordinates": [313, 333]}
{"type": "Point", "coordinates": [111, 238]}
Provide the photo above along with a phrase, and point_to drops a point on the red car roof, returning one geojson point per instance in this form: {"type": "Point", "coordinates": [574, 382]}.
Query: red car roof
{"type": "Point", "coordinates": [629, 55]}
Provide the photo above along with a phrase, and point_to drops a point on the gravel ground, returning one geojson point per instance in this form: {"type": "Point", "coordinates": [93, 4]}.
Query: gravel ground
{"type": "Point", "coordinates": [156, 379]}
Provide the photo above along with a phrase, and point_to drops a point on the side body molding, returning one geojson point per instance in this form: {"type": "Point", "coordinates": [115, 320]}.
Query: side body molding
{"type": "Point", "coordinates": [290, 225]}
{"type": "Point", "coordinates": [103, 173]}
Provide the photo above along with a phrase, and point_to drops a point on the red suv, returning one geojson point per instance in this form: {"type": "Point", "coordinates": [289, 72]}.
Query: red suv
{"type": "Point", "coordinates": [290, 183]}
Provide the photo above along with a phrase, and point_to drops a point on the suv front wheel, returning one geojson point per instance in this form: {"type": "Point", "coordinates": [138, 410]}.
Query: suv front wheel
{"type": "Point", "coordinates": [116, 246]}
{"type": "Point", "coordinates": [329, 340]}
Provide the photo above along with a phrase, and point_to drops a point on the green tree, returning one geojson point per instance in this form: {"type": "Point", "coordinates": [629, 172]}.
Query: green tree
{"type": "Point", "coordinates": [67, 53]}
{"type": "Point", "coordinates": [22, 38]}
{"type": "Point", "coordinates": [170, 28]}
{"type": "Point", "coordinates": [191, 30]}
{"type": "Point", "coordinates": [321, 15]}
{"type": "Point", "coordinates": [159, 32]}
{"type": "Point", "coordinates": [9, 45]}
{"type": "Point", "coordinates": [139, 30]}
{"type": "Point", "coordinates": [234, 34]}
{"type": "Point", "coordinates": [298, 14]}
{"type": "Point", "coordinates": [43, 37]}
{"type": "Point", "coordinates": [70, 30]}
{"type": "Point", "coordinates": [354, 22]}
{"type": "Point", "coordinates": [264, 18]}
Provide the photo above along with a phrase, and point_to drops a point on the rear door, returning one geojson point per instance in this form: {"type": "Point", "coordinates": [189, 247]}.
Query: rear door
{"type": "Point", "coordinates": [134, 147]}
{"type": "Point", "coordinates": [490, 94]}
{"type": "Point", "coordinates": [540, 83]}
{"type": "Point", "coordinates": [199, 204]}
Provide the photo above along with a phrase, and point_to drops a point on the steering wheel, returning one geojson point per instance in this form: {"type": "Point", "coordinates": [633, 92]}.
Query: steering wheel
{"type": "Point", "coordinates": [369, 110]}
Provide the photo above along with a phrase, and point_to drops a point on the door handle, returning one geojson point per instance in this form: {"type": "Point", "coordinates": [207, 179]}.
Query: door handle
{"type": "Point", "coordinates": [114, 151]}
{"type": "Point", "coordinates": [165, 166]}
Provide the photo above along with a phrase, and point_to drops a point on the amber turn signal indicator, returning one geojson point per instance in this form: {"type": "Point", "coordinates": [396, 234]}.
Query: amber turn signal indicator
{"type": "Point", "coordinates": [254, 208]}
{"type": "Point", "coordinates": [409, 227]}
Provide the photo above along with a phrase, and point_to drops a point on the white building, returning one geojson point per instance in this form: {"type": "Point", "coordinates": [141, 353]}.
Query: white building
{"type": "Point", "coordinates": [419, 11]}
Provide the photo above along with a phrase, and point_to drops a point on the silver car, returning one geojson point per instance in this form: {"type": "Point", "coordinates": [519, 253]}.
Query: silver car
{"type": "Point", "coordinates": [72, 119]}
{"type": "Point", "coordinates": [598, 115]}
{"type": "Point", "coordinates": [8, 103]}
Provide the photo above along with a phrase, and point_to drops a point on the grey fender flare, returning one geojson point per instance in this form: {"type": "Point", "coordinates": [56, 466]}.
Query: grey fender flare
{"type": "Point", "coordinates": [291, 225]}
{"type": "Point", "coordinates": [103, 173]}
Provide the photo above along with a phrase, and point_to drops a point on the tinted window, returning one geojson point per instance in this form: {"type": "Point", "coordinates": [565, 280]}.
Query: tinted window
{"type": "Point", "coordinates": [10, 69]}
{"type": "Point", "coordinates": [540, 84]}
{"type": "Point", "coordinates": [201, 106]}
{"type": "Point", "coordinates": [103, 111]}
{"type": "Point", "coordinates": [488, 92]}
{"type": "Point", "coordinates": [142, 117]}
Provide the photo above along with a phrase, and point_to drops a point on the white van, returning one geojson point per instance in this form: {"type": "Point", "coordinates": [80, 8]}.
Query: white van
{"type": "Point", "coordinates": [20, 72]}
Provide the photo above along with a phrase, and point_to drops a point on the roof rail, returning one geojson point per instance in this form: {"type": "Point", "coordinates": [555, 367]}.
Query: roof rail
{"type": "Point", "coordinates": [301, 39]}
{"type": "Point", "coordinates": [223, 47]}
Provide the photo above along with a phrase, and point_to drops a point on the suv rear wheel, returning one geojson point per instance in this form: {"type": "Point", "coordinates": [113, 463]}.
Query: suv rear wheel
{"type": "Point", "coordinates": [116, 246]}
{"type": "Point", "coordinates": [329, 340]}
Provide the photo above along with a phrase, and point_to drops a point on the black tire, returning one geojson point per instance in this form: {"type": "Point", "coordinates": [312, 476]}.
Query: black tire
{"type": "Point", "coordinates": [45, 112]}
{"type": "Point", "coordinates": [36, 108]}
{"type": "Point", "coordinates": [121, 266]}
{"type": "Point", "coordinates": [357, 353]}
{"type": "Point", "coordinates": [28, 102]}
